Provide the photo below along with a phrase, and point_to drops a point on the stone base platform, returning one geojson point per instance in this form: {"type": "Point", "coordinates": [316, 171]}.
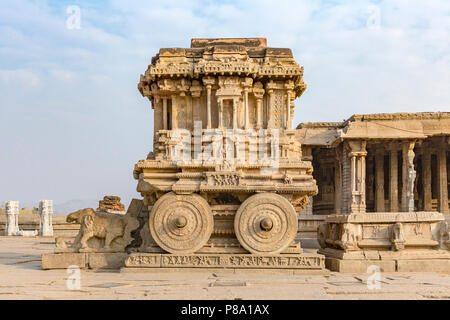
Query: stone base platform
{"type": "Point", "coordinates": [305, 261]}
{"type": "Point", "coordinates": [89, 260]}
{"type": "Point", "coordinates": [84, 260]}
{"type": "Point", "coordinates": [387, 261]}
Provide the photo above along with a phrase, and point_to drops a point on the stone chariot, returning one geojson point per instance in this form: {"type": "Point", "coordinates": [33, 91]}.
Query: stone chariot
{"type": "Point", "coordinates": [226, 173]}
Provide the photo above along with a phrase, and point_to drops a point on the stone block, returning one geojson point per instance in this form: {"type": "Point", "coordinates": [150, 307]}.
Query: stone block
{"type": "Point", "coordinates": [64, 260]}
{"type": "Point", "coordinates": [106, 260]}
{"type": "Point", "coordinates": [436, 265]}
{"type": "Point", "coordinates": [358, 266]}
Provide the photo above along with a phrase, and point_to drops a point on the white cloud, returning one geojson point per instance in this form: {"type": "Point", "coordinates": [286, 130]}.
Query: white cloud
{"type": "Point", "coordinates": [74, 123]}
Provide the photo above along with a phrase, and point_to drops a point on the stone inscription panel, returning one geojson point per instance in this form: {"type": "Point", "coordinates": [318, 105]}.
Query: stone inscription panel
{"type": "Point", "coordinates": [225, 261]}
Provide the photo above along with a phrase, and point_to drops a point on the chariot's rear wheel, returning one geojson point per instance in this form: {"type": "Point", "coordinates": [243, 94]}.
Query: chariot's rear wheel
{"type": "Point", "coordinates": [181, 224]}
{"type": "Point", "coordinates": [265, 223]}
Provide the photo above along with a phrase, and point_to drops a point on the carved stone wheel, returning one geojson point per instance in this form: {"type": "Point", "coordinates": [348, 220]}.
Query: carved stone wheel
{"type": "Point", "coordinates": [265, 223]}
{"type": "Point", "coordinates": [181, 224]}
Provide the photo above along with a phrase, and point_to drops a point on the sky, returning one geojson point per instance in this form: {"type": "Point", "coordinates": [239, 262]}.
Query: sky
{"type": "Point", "coordinates": [73, 124]}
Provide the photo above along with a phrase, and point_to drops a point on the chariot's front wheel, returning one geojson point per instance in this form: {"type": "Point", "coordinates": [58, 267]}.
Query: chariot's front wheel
{"type": "Point", "coordinates": [265, 223]}
{"type": "Point", "coordinates": [181, 224]}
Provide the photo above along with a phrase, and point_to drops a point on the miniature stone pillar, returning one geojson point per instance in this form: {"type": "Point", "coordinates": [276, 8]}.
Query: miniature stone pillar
{"type": "Point", "coordinates": [409, 176]}
{"type": "Point", "coordinates": [259, 113]}
{"type": "Point", "coordinates": [379, 181]}
{"type": "Point", "coordinates": [208, 106]}
{"type": "Point", "coordinates": [45, 213]}
{"type": "Point", "coordinates": [337, 186]}
{"type": "Point", "coordinates": [165, 113]}
{"type": "Point", "coordinates": [393, 178]}
{"type": "Point", "coordinates": [235, 114]}
{"type": "Point", "coordinates": [12, 218]}
{"type": "Point", "coordinates": [357, 156]}
{"type": "Point", "coordinates": [174, 112]}
{"type": "Point", "coordinates": [220, 104]}
{"type": "Point", "coordinates": [258, 92]}
{"type": "Point", "coordinates": [443, 192]}
{"type": "Point", "coordinates": [246, 115]}
{"type": "Point", "coordinates": [196, 91]}
{"type": "Point", "coordinates": [269, 108]}
{"type": "Point", "coordinates": [289, 85]}
{"type": "Point", "coordinates": [208, 82]}
{"type": "Point", "coordinates": [426, 180]}
{"type": "Point", "coordinates": [289, 122]}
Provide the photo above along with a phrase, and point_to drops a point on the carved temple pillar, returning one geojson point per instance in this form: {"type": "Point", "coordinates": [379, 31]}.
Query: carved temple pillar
{"type": "Point", "coordinates": [164, 113]}
{"type": "Point", "coordinates": [379, 181]}
{"type": "Point", "coordinates": [235, 113]}
{"type": "Point", "coordinates": [208, 82]}
{"type": "Point", "coordinates": [259, 113]}
{"type": "Point", "coordinates": [246, 116]}
{"type": "Point", "coordinates": [196, 91]}
{"type": "Point", "coordinates": [269, 107]}
{"type": "Point", "coordinates": [443, 183]}
{"type": "Point", "coordinates": [258, 92]}
{"type": "Point", "coordinates": [220, 105]}
{"type": "Point", "coordinates": [337, 183]}
{"type": "Point", "coordinates": [208, 106]}
{"type": "Point", "coordinates": [408, 176]}
{"type": "Point", "coordinates": [426, 179]}
{"type": "Point", "coordinates": [357, 157]}
{"type": "Point", "coordinates": [393, 178]}
{"type": "Point", "coordinates": [174, 112]}
{"type": "Point", "coordinates": [289, 122]}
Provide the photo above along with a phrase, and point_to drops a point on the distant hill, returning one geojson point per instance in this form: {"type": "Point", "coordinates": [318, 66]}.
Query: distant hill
{"type": "Point", "coordinates": [74, 205]}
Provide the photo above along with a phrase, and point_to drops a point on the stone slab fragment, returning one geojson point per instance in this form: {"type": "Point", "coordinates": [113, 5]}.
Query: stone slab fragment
{"type": "Point", "coordinates": [233, 261]}
{"type": "Point", "coordinates": [63, 260]}
{"type": "Point", "coordinates": [423, 265]}
{"type": "Point", "coordinates": [358, 266]}
{"type": "Point", "coordinates": [106, 260]}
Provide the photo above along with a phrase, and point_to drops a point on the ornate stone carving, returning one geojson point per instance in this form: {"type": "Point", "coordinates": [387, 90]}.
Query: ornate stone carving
{"type": "Point", "coordinates": [181, 223]}
{"type": "Point", "coordinates": [225, 179]}
{"type": "Point", "coordinates": [398, 238]}
{"type": "Point", "coordinates": [237, 261]}
{"type": "Point", "coordinates": [46, 221]}
{"type": "Point", "coordinates": [265, 223]}
{"type": "Point", "coordinates": [103, 231]}
{"type": "Point", "coordinates": [12, 218]}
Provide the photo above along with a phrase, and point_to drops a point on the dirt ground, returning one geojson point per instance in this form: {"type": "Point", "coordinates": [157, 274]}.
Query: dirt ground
{"type": "Point", "coordinates": [21, 277]}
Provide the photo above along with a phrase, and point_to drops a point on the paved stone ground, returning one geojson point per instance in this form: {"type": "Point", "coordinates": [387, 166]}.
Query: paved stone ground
{"type": "Point", "coordinates": [21, 277]}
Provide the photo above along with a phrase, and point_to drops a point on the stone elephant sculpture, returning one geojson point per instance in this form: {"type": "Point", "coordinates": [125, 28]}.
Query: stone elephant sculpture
{"type": "Point", "coordinates": [101, 225]}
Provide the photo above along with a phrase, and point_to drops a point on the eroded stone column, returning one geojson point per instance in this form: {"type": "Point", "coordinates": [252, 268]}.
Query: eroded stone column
{"type": "Point", "coordinates": [174, 112]}
{"type": "Point", "coordinates": [165, 113]}
{"type": "Point", "coordinates": [46, 213]}
{"type": "Point", "coordinates": [246, 115]}
{"type": "Point", "coordinates": [12, 218]}
{"type": "Point", "coordinates": [393, 178]}
{"type": "Point", "coordinates": [269, 108]}
{"type": "Point", "coordinates": [426, 179]}
{"type": "Point", "coordinates": [258, 92]}
{"type": "Point", "coordinates": [289, 122]}
{"type": "Point", "coordinates": [443, 182]}
{"type": "Point", "coordinates": [208, 82]}
{"type": "Point", "coordinates": [235, 115]}
{"type": "Point", "coordinates": [337, 185]}
{"type": "Point", "coordinates": [408, 176]}
{"type": "Point", "coordinates": [379, 181]}
{"type": "Point", "coordinates": [220, 105]}
{"type": "Point", "coordinates": [358, 175]}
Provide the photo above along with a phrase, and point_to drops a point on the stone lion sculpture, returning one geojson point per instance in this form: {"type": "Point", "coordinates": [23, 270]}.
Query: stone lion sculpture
{"type": "Point", "coordinates": [101, 225]}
